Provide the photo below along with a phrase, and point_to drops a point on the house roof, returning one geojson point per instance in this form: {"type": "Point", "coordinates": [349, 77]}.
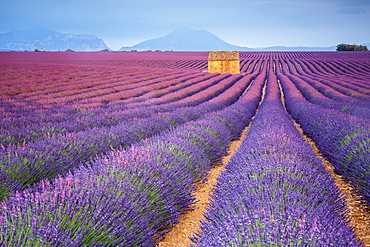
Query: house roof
{"type": "Point", "coordinates": [223, 55]}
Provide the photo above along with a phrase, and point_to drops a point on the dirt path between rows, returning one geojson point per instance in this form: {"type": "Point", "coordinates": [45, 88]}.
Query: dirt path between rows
{"type": "Point", "coordinates": [189, 223]}
{"type": "Point", "coordinates": [358, 212]}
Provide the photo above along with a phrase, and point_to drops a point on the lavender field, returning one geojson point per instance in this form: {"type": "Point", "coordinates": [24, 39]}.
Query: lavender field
{"type": "Point", "coordinates": [105, 148]}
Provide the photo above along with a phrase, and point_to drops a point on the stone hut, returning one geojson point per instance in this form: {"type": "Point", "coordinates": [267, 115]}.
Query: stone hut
{"type": "Point", "coordinates": [223, 62]}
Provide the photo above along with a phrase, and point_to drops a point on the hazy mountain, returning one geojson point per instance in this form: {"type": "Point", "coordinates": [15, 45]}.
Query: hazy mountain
{"type": "Point", "coordinates": [295, 48]}
{"type": "Point", "coordinates": [183, 39]}
{"type": "Point", "coordinates": [49, 40]}
{"type": "Point", "coordinates": [186, 39]}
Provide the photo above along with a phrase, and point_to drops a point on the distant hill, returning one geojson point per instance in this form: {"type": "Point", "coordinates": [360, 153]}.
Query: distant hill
{"type": "Point", "coordinates": [49, 40]}
{"type": "Point", "coordinates": [295, 48]}
{"type": "Point", "coordinates": [182, 39]}
{"type": "Point", "coordinates": [186, 39]}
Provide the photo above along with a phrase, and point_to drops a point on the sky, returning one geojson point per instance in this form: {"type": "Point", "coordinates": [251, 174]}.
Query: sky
{"type": "Point", "coordinates": [248, 23]}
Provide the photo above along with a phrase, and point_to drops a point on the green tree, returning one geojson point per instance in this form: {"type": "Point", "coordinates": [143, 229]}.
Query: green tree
{"type": "Point", "coordinates": [348, 47]}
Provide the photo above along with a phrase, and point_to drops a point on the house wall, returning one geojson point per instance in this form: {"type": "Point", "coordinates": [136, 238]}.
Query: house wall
{"type": "Point", "coordinates": [224, 66]}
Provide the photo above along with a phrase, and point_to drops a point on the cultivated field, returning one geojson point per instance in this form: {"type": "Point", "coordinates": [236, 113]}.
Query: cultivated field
{"type": "Point", "coordinates": [105, 148]}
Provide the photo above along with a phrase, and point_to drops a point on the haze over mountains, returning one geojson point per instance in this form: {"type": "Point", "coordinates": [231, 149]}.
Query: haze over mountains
{"type": "Point", "coordinates": [182, 39]}
{"type": "Point", "coordinates": [49, 40]}
{"type": "Point", "coordinates": [186, 39]}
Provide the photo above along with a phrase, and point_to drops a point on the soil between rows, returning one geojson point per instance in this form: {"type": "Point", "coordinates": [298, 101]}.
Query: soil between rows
{"type": "Point", "coordinates": [189, 223]}
{"type": "Point", "coordinates": [358, 213]}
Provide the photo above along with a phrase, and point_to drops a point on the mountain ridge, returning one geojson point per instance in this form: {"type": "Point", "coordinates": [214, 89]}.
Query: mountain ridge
{"type": "Point", "coordinates": [50, 40]}
{"type": "Point", "coordinates": [186, 39]}
{"type": "Point", "coordinates": [182, 39]}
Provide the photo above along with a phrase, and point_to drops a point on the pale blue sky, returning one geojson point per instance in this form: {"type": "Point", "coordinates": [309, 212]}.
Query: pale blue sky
{"type": "Point", "coordinates": [257, 23]}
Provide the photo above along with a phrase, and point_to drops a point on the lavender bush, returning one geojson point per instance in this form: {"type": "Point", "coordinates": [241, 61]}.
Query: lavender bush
{"type": "Point", "coordinates": [129, 196]}
{"type": "Point", "coordinates": [342, 138]}
{"type": "Point", "coordinates": [274, 191]}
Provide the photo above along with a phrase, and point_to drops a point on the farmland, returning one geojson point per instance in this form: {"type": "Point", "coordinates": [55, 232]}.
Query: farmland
{"type": "Point", "coordinates": [105, 148]}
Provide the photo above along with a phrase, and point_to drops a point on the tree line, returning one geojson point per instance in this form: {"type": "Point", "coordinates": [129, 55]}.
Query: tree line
{"type": "Point", "coordinates": [348, 47]}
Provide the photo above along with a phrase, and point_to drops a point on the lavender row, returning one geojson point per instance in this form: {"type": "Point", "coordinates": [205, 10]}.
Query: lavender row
{"type": "Point", "coordinates": [328, 87]}
{"type": "Point", "coordinates": [189, 96]}
{"type": "Point", "coordinates": [25, 165]}
{"type": "Point", "coordinates": [80, 119]}
{"type": "Point", "coordinates": [315, 97]}
{"type": "Point", "coordinates": [319, 84]}
{"type": "Point", "coordinates": [194, 94]}
{"type": "Point", "coordinates": [24, 114]}
{"type": "Point", "coordinates": [347, 72]}
{"type": "Point", "coordinates": [123, 92]}
{"type": "Point", "coordinates": [342, 138]}
{"type": "Point", "coordinates": [195, 61]}
{"type": "Point", "coordinates": [40, 83]}
{"type": "Point", "coordinates": [360, 69]}
{"type": "Point", "coordinates": [19, 110]}
{"type": "Point", "coordinates": [305, 55]}
{"type": "Point", "coordinates": [355, 80]}
{"type": "Point", "coordinates": [344, 68]}
{"type": "Point", "coordinates": [275, 191]}
{"type": "Point", "coordinates": [128, 197]}
{"type": "Point", "coordinates": [149, 94]}
{"type": "Point", "coordinates": [83, 121]}
{"type": "Point", "coordinates": [341, 68]}
{"type": "Point", "coordinates": [68, 122]}
{"type": "Point", "coordinates": [341, 92]}
{"type": "Point", "coordinates": [123, 87]}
